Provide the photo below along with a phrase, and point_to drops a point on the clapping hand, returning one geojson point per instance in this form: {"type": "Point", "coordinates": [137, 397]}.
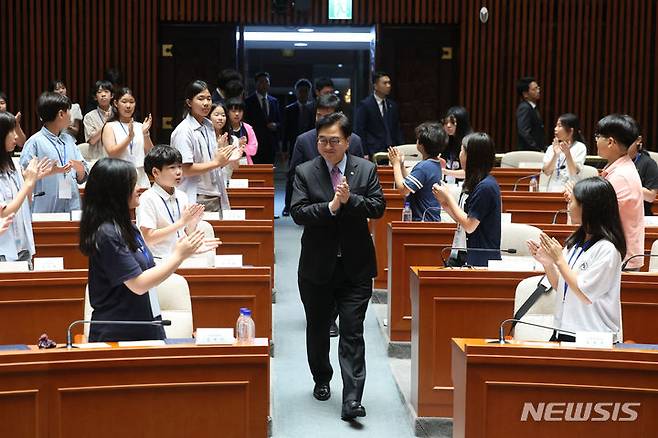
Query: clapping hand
{"type": "Point", "coordinates": [5, 222]}
{"type": "Point", "coordinates": [37, 169]}
{"type": "Point", "coordinates": [551, 247]}
{"type": "Point", "coordinates": [222, 141]}
{"type": "Point", "coordinates": [223, 155]}
{"type": "Point", "coordinates": [77, 166]}
{"type": "Point", "coordinates": [538, 253]}
{"type": "Point", "coordinates": [343, 191]}
{"type": "Point", "coordinates": [209, 244]}
{"type": "Point", "coordinates": [146, 125]}
{"type": "Point", "coordinates": [441, 193]}
{"type": "Point", "coordinates": [395, 157]}
{"type": "Point", "coordinates": [189, 244]}
{"type": "Point", "coordinates": [192, 214]}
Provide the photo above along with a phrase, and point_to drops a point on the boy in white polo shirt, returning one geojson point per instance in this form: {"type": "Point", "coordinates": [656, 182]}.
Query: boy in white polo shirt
{"type": "Point", "coordinates": [164, 214]}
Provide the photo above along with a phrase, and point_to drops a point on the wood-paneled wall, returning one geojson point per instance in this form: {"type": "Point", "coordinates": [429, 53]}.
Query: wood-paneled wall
{"type": "Point", "coordinates": [591, 57]}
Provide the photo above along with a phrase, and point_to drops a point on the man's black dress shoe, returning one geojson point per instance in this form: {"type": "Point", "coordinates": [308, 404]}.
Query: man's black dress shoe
{"type": "Point", "coordinates": [351, 410]}
{"type": "Point", "coordinates": [322, 391]}
{"type": "Point", "coordinates": [333, 330]}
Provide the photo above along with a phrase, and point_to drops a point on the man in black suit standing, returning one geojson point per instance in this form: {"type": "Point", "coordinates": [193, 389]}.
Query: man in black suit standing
{"type": "Point", "coordinates": [334, 196]}
{"type": "Point", "coordinates": [263, 114]}
{"type": "Point", "coordinates": [378, 118]}
{"type": "Point", "coordinates": [530, 127]}
{"type": "Point", "coordinates": [305, 147]}
{"type": "Point", "coordinates": [299, 115]}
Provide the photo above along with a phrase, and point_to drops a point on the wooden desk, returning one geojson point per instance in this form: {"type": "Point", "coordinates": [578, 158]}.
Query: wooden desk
{"type": "Point", "coordinates": [448, 303]}
{"type": "Point", "coordinates": [392, 212]}
{"type": "Point", "coordinates": [259, 175]}
{"type": "Point", "coordinates": [173, 390]}
{"type": "Point", "coordinates": [258, 202]}
{"type": "Point", "coordinates": [539, 201]}
{"type": "Point", "coordinates": [386, 179]}
{"type": "Point", "coordinates": [507, 177]}
{"type": "Point", "coordinates": [495, 384]}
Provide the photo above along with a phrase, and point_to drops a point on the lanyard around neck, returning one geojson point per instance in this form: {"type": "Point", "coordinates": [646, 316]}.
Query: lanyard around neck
{"type": "Point", "coordinates": [144, 250]}
{"type": "Point", "coordinates": [170, 213]}
{"type": "Point", "coordinates": [62, 156]}
{"type": "Point", "coordinates": [577, 255]}
{"type": "Point", "coordinates": [124, 130]}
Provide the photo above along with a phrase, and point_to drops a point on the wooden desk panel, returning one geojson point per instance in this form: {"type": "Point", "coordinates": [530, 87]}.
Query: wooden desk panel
{"type": "Point", "coordinates": [507, 177]}
{"type": "Point", "coordinates": [446, 302]}
{"type": "Point", "coordinates": [533, 201]}
{"type": "Point", "coordinates": [393, 212]}
{"type": "Point", "coordinates": [410, 244]}
{"type": "Point", "coordinates": [259, 175]}
{"type": "Point", "coordinates": [174, 390]}
{"type": "Point", "coordinates": [386, 179]}
{"type": "Point", "coordinates": [258, 202]}
{"type": "Point", "coordinates": [493, 384]}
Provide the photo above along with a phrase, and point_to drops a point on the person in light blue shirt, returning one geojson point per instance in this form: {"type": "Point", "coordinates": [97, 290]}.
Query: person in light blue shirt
{"type": "Point", "coordinates": [60, 187]}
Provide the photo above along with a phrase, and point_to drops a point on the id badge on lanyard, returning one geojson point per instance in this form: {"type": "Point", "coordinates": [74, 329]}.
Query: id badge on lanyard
{"type": "Point", "coordinates": [64, 187]}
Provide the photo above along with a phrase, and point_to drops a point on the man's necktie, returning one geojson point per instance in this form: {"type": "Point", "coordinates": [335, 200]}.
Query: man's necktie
{"type": "Point", "coordinates": [335, 176]}
{"type": "Point", "coordinates": [263, 103]}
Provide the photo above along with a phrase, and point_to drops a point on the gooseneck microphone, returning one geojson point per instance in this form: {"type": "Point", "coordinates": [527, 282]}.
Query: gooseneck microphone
{"type": "Point", "coordinates": [69, 343]}
{"type": "Point", "coordinates": [516, 183]}
{"type": "Point", "coordinates": [450, 248]}
{"type": "Point", "coordinates": [646, 254]}
{"type": "Point", "coordinates": [501, 330]}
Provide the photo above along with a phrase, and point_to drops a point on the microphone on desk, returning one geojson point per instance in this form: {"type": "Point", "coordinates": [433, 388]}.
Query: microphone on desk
{"type": "Point", "coordinates": [422, 219]}
{"type": "Point", "coordinates": [516, 183]}
{"type": "Point", "coordinates": [646, 254]}
{"type": "Point", "coordinates": [501, 330]}
{"type": "Point", "coordinates": [557, 213]}
{"type": "Point", "coordinates": [450, 248]}
{"type": "Point", "coordinates": [37, 194]}
{"type": "Point", "coordinates": [69, 342]}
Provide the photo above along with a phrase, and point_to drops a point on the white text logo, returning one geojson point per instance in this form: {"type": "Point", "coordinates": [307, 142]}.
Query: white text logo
{"type": "Point", "coordinates": [602, 411]}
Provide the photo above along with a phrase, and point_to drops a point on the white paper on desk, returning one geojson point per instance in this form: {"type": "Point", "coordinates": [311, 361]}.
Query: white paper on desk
{"type": "Point", "coordinates": [651, 221]}
{"type": "Point", "coordinates": [195, 262]}
{"type": "Point", "coordinates": [92, 345]}
{"type": "Point", "coordinates": [210, 215]}
{"type": "Point", "coordinates": [214, 336]}
{"type": "Point", "coordinates": [520, 263]}
{"type": "Point", "coordinates": [51, 217]}
{"type": "Point", "coordinates": [76, 215]}
{"type": "Point", "coordinates": [238, 183]}
{"type": "Point", "coordinates": [593, 339]}
{"type": "Point", "coordinates": [14, 267]}
{"type": "Point", "coordinates": [154, 343]}
{"type": "Point", "coordinates": [506, 218]}
{"type": "Point", "coordinates": [49, 263]}
{"type": "Point", "coordinates": [530, 165]}
{"type": "Point", "coordinates": [234, 215]}
{"type": "Point", "coordinates": [228, 261]}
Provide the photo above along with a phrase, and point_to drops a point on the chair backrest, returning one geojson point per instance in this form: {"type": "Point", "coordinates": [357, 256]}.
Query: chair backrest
{"type": "Point", "coordinates": [410, 152]}
{"type": "Point", "coordinates": [175, 305]}
{"type": "Point", "coordinates": [653, 261]}
{"type": "Point", "coordinates": [540, 313]}
{"type": "Point", "coordinates": [512, 159]}
{"type": "Point", "coordinates": [588, 172]}
{"type": "Point", "coordinates": [515, 236]}
{"type": "Point", "coordinates": [206, 259]}
{"type": "Point", "coordinates": [654, 156]}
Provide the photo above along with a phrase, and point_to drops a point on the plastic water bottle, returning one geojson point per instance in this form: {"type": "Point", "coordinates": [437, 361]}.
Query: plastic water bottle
{"type": "Point", "coordinates": [406, 212]}
{"type": "Point", "coordinates": [245, 329]}
{"type": "Point", "coordinates": [534, 185]}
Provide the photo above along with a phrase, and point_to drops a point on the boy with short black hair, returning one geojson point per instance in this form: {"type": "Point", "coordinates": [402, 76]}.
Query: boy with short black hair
{"type": "Point", "coordinates": [431, 140]}
{"type": "Point", "coordinates": [95, 119]}
{"type": "Point", "coordinates": [60, 187]}
{"type": "Point", "coordinates": [164, 214]}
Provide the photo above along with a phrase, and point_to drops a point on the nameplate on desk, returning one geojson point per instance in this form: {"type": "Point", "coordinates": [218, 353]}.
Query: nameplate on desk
{"type": "Point", "coordinates": [214, 336]}
{"type": "Point", "coordinates": [234, 215]}
{"type": "Point", "coordinates": [506, 218]}
{"type": "Point", "coordinates": [14, 267]}
{"type": "Point", "coordinates": [238, 183]}
{"type": "Point", "coordinates": [154, 343]}
{"type": "Point", "coordinates": [48, 263]}
{"type": "Point", "coordinates": [195, 262]}
{"type": "Point", "coordinates": [520, 263]}
{"type": "Point", "coordinates": [91, 345]}
{"type": "Point", "coordinates": [76, 215]}
{"type": "Point", "coordinates": [651, 221]}
{"type": "Point", "coordinates": [210, 215]}
{"type": "Point", "coordinates": [228, 261]}
{"type": "Point", "coordinates": [51, 217]}
{"type": "Point", "coordinates": [593, 339]}
{"type": "Point", "coordinates": [530, 165]}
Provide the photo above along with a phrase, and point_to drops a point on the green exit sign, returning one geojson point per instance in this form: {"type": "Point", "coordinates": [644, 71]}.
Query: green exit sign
{"type": "Point", "coordinates": [340, 9]}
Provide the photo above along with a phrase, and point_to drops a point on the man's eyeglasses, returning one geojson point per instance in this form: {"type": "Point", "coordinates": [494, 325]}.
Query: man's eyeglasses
{"type": "Point", "coordinates": [334, 141]}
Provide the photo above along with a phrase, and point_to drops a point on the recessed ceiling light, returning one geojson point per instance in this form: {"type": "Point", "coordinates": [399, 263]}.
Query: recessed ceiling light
{"type": "Point", "coordinates": [301, 44]}
{"type": "Point", "coordinates": [305, 29]}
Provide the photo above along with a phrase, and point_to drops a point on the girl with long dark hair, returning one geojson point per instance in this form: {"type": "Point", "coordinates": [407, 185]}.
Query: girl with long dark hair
{"type": "Point", "coordinates": [477, 211]}
{"type": "Point", "coordinates": [457, 125]}
{"type": "Point", "coordinates": [125, 138]}
{"type": "Point", "coordinates": [238, 128]}
{"type": "Point", "coordinates": [219, 118]}
{"type": "Point", "coordinates": [122, 273]}
{"type": "Point", "coordinates": [587, 273]}
{"type": "Point", "coordinates": [565, 157]}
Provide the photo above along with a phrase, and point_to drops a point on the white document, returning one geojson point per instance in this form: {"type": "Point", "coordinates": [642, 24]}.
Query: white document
{"type": "Point", "coordinates": [92, 345]}
{"type": "Point", "coordinates": [506, 218]}
{"type": "Point", "coordinates": [76, 215]}
{"type": "Point", "coordinates": [651, 221]}
{"type": "Point", "coordinates": [234, 215]}
{"type": "Point", "coordinates": [531, 165]}
{"type": "Point", "coordinates": [237, 183]}
{"type": "Point", "coordinates": [214, 336]}
{"type": "Point", "coordinates": [228, 261]}
{"type": "Point", "coordinates": [155, 343]}
{"type": "Point", "coordinates": [48, 263]}
{"type": "Point", "coordinates": [520, 263]}
{"type": "Point", "coordinates": [51, 217]}
{"type": "Point", "coordinates": [14, 267]}
{"type": "Point", "coordinates": [210, 215]}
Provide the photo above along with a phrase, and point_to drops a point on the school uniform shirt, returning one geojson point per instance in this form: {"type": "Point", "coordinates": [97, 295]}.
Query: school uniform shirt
{"type": "Point", "coordinates": [110, 265]}
{"type": "Point", "coordinates": [419, 182]}
{"type": "Point", "coordinates": [599, 278]}
{"type": "Point", "coordinates": [483, 204]}
{"type": "Point", "coordinates": [19, 236]}
{"type": "Point", "coordinates": [158, 209]}
{"type": "Point", "coordinates": [197, 144]}
{"type": "Point", "coordinates": [648, 171]}
{"type": "Point", "coordinates": [560, 175]}
{"type": "Point", "coordinates": [76, 114]}
{"type": "Point", "coordinates": [93, 122]}
{"type": "Point", "coordinates": [61, 193]}
{"type": "Point", "coordinates": [623, 176]}
{"type": "Point", "coordinates": [135, 151]}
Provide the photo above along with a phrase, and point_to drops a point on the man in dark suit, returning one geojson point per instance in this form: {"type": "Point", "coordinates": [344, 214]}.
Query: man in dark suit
{"type": "Point", "coordinates": [529, 125]}
{"type": "Point", "coordinates": [305, 147]}
{"type": "Point", "coordinates": [299, 115]}
{"type": "Point", "coordinates": [378, 118]}
{"type": "Point", "coordinates": [334, 196]}
{"type": "Point", "coordinates": [263, 114]}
